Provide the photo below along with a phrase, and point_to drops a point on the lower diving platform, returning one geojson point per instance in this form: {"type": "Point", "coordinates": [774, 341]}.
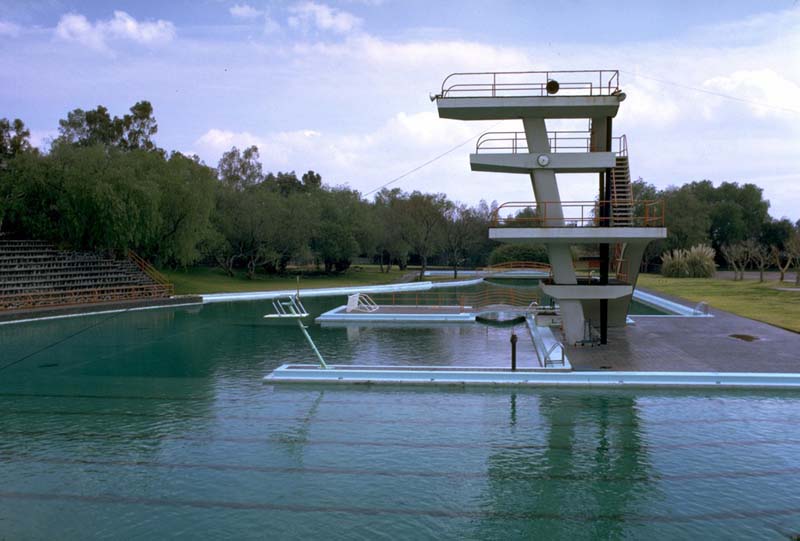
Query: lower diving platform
{"type": "Point", "coordinates": [577, 235]}
{"type": "Point", "coordinates": [499, 377]}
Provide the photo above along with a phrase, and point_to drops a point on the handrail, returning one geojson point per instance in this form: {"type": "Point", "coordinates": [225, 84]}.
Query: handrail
{"type": "Point", "coordinates": [647, 213]}
{"type": "Point", "coordinates": [515, 142]}
{"type": "Point", "coordinates": [475, 300]}
{"type": "Point", "coordinates": [531, 83]}
{"type": "Point", "coordinates": [148, 269]}
{"type": "Point", "coordinates": [83, 296]}
{"type": "Point", "coordinates": [522, 265]}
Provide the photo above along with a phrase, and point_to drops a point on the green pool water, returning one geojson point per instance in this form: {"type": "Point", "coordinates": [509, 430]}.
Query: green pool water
{"type": "Point", "coordinates": [156, 424]}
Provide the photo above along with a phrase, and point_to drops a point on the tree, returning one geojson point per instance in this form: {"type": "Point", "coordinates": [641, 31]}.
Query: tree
{"type": "Point", "coordinates": [758, 255]}
{"type": "Point", "coordinates": [312, 181]}
{"type": "Point", "coordinates": [240, 169]}
{"type": "Point", "coordinates": [342, 220]}
{"type": "Point", "coordinates": [139, 127]}
{"type": "Point", "coordinates": [186, 201]}
{"type": "Point", "coordinates": [133, 131]}
{"type": "Point", "coordinates": [286, 183]}
{"type": "Point", "coordinates": [390, 242]}
{"type": "Point", "coordinates": [462, 230]}
{"type": "Point", "coordinates": [423, 221]}
{"type": "Point", "coordinates": [793, 249]}
{"type": "Point", "coordinates": [687, 220]}
{"type": "Point", "coordinates": [738, 257]}
{"type": "Point", "coordinates": [775, 234]}
{"type": "Point", "coordinates": [14, 139]}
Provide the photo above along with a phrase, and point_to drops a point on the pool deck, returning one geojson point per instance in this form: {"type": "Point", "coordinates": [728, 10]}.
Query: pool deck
{"type": "Point", "coordinates": [654, 351]}
{"type": "Point", "coordinates": [693, 344]}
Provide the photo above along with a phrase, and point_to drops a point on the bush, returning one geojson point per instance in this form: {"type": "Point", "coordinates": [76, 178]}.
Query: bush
{"type": "Point", "coordinates": [673, 264]}
{"type": "Point", "coordinates": [518, 252]}
{"type": "Point", "coordinates": [697, 262]}
{"type": "Point", "coordinates": [700, 261]}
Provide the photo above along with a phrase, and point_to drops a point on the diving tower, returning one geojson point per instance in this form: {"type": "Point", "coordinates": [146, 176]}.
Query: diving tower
{"type": "Point", "coordinates": [609, 223]}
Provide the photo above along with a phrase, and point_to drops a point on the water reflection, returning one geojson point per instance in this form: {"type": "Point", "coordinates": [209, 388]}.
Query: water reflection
{"type": "Point", "coordinates": [588, 471]}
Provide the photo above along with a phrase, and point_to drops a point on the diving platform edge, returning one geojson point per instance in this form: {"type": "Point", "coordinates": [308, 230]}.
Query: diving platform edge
{"type": "Point", "coordinates": [537, 377]}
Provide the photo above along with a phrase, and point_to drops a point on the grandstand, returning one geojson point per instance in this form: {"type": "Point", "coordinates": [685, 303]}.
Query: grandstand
{"type": "Point", "coordinates": [36, 275]}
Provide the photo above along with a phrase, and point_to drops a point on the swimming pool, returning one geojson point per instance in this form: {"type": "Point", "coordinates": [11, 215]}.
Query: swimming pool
{"type": "Point", "coordinates": [154, 424]}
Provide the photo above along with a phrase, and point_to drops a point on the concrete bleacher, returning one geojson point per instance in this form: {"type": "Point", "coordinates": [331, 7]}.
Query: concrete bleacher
{"type": "Point", "coordinates": [35, 274]}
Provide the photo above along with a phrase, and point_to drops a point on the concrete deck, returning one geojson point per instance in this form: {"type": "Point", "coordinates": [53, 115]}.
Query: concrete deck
{"type": "Point", "coordinates": [499, 377]}
{"type": "Point", "coordinates": [398, 314]}
{"type": "Point", "coordinates": [693, 344]}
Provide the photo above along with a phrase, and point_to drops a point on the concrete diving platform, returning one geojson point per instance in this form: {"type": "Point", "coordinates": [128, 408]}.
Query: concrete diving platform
{"type": "Point", "coordinates": [560, 162]}
{"type": "Point", "coordinates": [504, 108]}
{"type": "Point", "coordinates": [399, 314]}
{"type": "Point", "coordinates": [536, 377]}
{"type": "Point", "coordinates": [577, 235]}
{"type": "Point", "coordinates": [586, 291]}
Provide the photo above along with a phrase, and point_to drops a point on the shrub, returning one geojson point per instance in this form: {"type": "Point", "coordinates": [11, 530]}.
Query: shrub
{"type": "Point", "coordinates": [518, 252]}
{"type": "Point", "coordinates": [700, 261]}
{"type": "Point", "coordinates": [673, 264]}
{"type": "Point", "coordinates": [697, 262]}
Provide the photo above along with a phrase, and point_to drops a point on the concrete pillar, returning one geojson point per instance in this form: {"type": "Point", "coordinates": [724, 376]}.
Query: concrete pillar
{"type": "Point", "coordinates": [545, 188]}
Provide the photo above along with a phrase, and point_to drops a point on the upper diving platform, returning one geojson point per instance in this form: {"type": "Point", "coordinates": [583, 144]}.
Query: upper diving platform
{"type": "Point", "coordinates": [530, 94]}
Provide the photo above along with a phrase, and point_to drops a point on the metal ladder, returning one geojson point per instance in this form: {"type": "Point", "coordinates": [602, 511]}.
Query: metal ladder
{"type": "Point", "coordinates": [290, 307]}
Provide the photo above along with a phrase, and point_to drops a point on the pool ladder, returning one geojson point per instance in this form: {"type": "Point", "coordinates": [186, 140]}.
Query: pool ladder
{"type": "Point", "coordinates": [290, 307]}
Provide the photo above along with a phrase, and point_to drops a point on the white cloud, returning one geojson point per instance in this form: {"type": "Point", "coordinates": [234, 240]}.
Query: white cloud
{"type": "Point", "coordinates": [760, 87]}
{"type": "Point", "coordinates": [248, 12]}
{"type": "Point", "coordinates": [355, 108]}
{"type": "Point", "coordinates": [245, 11]}
{"type": "Point", "coordinates": [9, 29]}
{"type": "Point", "coordinates": [322, 17]}
{"type": "Point", "coordinates": [270, 25]}
{"type": "Point", "coordinates": [75, 27]}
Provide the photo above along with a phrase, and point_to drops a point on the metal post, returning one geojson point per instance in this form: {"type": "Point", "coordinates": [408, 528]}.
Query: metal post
{"type": "Point", "coordinates": [604, 247]}
{"type": "Point", "coordinates": [513, 351]}
{"type": "Point", "coordinates": [313, 346]}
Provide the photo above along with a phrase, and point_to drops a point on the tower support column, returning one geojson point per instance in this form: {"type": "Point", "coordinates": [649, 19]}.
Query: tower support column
{"type": "Point", "coordinates": [545, 190]}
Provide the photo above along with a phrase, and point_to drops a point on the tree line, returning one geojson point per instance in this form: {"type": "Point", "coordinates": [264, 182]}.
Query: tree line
{"type": "Point", "coordinates": [732, 219]}
{"type": "Point", "coordinates": [103, 184]}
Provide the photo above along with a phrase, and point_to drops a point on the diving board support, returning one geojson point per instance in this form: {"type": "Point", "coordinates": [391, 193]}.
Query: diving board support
{"type": "Point", "coordinates": [290, 307]}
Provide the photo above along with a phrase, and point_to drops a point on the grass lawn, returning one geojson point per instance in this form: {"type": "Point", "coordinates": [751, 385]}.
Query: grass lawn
{"type": "Point", "coordinates": [748, 298]}
{"type": "Point", "coordinates": [213, 280]}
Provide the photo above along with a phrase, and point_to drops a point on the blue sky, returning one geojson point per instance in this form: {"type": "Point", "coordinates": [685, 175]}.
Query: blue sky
{"type": "Point", "coordinates": [342, 87]}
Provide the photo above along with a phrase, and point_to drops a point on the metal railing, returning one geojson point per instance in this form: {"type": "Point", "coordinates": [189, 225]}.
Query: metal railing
{"type": "Point", "coordinates": [23, 301]}
{"type": "Point", "coordinates": [514, 142]}
{"type": "Point", "coordinates": [475, 300]}
{"type": "Point", "coordinates": [148, 269]}
{"type": "Point", "coordinates": [516, 265]}
{"type": "Point", "coordinates": [530, 83]}
{"type": "Point", "coordinates": [648, 213]}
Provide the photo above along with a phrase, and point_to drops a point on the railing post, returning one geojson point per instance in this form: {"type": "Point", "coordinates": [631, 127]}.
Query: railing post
{"type": "Point", "coordinates": [513, 351]}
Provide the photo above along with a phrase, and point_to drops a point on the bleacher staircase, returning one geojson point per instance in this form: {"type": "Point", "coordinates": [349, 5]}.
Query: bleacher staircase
{"type": "Point", "coordinates": [34, 274]}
